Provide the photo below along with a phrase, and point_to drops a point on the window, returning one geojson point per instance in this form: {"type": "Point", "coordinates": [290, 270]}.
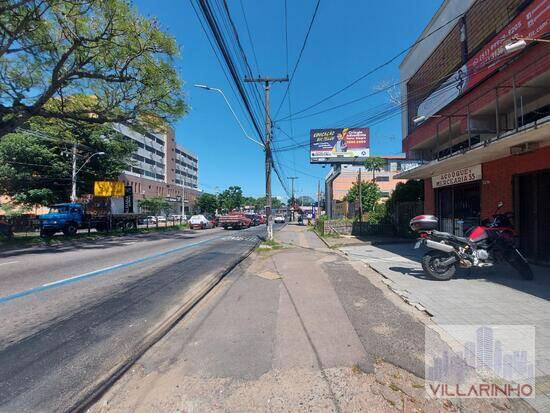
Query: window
{"type": "Point", "coordinates": [384, 194]}
{"type": "Point", "coordinates": [382, 179]}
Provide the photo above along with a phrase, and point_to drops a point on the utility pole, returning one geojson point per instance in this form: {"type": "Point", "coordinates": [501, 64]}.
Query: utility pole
{"type": "Point", "coordinates": [292, 178]}
{"type": "Point", "coordinates": [359, 183]}
{"type": "Point", "coordinates": [318, 215]}
{"type": "Point", "coordinates": [268, 161]}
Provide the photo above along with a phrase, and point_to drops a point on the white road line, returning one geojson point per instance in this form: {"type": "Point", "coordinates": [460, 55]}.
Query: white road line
{"type": "Point", "coordinates": [9, 262]}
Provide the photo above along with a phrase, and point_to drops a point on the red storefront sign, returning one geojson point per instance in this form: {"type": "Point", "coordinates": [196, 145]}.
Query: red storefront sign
{"type": "Point", "coordinates": [533, 22]}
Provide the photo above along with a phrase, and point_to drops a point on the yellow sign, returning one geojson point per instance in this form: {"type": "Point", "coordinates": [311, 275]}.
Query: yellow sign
{"type": "Point", "coordinates": [108, 188]}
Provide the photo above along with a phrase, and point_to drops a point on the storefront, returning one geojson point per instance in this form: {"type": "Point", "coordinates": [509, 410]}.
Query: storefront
{"type": "Point", "coordinates": [458, 199]}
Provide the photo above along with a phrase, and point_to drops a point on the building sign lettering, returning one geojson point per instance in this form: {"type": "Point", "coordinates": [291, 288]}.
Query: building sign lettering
{"type": "Point", "coordinates": [460, 176]}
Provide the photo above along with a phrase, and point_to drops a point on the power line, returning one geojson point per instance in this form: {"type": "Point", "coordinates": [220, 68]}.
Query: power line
{"type": "Point", "coordinates": [299, 56]}
{"type": "Point", "coordinates": [250, 38]}
{"type": "Point", "coordinates": [377, 68]}
{"type": "Point", "coordinates": [222, 45]}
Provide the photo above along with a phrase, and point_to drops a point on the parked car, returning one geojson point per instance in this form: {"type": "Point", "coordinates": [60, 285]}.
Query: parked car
{"type": "Point", "coordinates": [161, 219]}
{"type": "Point", "coordinates": [151, 220]}
{"type": "Point", "coordinates": [177, 218]}
{"type": "Point", "coordinates": [262, 219]}
{"type": "Point", "coordinates": [279, 219]}
{"type": "Point", "coordinates": [200, 222]}
{"type": "Point", "coordinates": [255, 218]}
{"type": "Point", "coordinates": [215, 220]}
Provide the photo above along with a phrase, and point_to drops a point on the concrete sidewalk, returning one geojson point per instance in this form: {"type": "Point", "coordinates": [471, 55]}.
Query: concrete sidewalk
{"type": "Point", "coordinates": [495, 295]}
{"type": "Point", "coordinates": [295, 329]}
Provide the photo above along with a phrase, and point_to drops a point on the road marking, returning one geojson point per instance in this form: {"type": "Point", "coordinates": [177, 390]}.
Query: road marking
{"type": "Point", "coordinates": [75, 278]}
{"type": "Point", "coordinates": [9, 262]}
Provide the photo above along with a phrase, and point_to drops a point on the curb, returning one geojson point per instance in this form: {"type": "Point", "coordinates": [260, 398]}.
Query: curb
{"type": "Point", "coordinates": [100, 387]}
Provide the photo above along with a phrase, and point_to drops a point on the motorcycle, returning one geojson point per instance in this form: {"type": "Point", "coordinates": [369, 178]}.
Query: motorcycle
{"type": "Point", "coordinates": [483, 246]}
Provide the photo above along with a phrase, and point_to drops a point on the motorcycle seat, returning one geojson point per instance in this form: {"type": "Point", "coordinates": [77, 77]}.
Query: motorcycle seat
{"type": "Point", "coordinates": [446, 235]}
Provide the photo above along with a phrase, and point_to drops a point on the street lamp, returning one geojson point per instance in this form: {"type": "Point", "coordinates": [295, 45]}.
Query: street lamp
{"type": "Point", "coordinates": [232, 111]}
{"type": "Point", "coordinates": [76, 171]}
{"type": "Point", "coordinates": [520, 43]}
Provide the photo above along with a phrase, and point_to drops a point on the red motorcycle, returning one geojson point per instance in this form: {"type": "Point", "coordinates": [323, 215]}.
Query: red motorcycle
{"type": "Point", "coordinates": [483, 246]}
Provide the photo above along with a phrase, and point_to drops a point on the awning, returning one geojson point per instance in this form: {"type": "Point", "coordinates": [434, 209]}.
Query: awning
{"type": "Point", "coordinates": [536, 132]}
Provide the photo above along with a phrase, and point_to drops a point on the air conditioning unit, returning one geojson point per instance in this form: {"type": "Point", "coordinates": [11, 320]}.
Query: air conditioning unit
{"type": "Point", "coordinates": [524, 148]}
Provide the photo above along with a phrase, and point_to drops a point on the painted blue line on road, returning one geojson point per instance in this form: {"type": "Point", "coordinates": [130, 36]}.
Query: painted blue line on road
{"type": "Point", "coordinates": [76, 278]}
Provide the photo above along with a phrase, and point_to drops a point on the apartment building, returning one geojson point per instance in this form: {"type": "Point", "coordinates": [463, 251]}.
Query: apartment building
{"type": "Point", "coordinates": [161, 167]}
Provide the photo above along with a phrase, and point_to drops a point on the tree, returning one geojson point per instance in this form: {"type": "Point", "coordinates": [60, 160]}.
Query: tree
{"type": "Point", "coordinates": [53, 51]}
{"type": "Point", "coordinates": [207, 203]}
{"type": "Point", "coordinates": [35, 165]}
{"type": "Point", "coordinates": [370, 194]}
{"type": "Point", "coordinates": [232, 198]}
{"type": "Point", "coordinates": [305, 200]}
{"type": "Point", "coordinates": [154, 206]}
{"type": "Point", "coordinates": [374, 164]}
{"type": "Point", "coordinates": [409, 191]}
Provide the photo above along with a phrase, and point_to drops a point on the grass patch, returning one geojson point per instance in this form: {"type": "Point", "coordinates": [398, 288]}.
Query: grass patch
{"type": "Point", "coordinates": [269, 245]}
{"type": "Point", "coordinates": [36, 240]}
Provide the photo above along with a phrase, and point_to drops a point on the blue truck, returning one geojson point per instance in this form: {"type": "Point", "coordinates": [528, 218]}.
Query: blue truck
{"type": "Point", "coordinates": [70, 217]}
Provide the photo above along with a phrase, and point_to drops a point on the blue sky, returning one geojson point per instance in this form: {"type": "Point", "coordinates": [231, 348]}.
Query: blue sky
{"type": "Point", "coordinates": [347, 40]}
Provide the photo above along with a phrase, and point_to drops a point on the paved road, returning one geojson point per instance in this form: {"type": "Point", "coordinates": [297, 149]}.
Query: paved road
{"type": "Point", "coordinates": [71, 313]}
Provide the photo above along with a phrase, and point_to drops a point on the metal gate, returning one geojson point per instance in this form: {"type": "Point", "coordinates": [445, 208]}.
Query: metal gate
{"type": "Point", "coordinates": [458, 207]}
{"type": "Point", "coordinates": [532, 201]}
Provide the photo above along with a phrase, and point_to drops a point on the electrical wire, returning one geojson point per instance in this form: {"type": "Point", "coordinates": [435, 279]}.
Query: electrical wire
{"type": "Point", "coordinates": [312, 21]}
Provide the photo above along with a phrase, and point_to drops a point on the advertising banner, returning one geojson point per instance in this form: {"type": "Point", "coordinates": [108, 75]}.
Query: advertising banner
{"type": "Point", "coordinates": [338, 145]}
{"type": "Point", "coordinates": [460, 176]}
{"type": "Point", "coordinates": [128, 199]}
{"type": "Point", "coordinates": [109, 188]}
{"type": "Point", "coordinates": [532, 22]}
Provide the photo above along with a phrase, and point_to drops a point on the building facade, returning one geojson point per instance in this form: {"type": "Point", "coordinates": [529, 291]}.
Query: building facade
{"type": "Point", "coordinates": [161, 168]}
{"type": "Point", "coordinates": [477, 115]}
{"type": "Point", "coordinates": [342, 177]}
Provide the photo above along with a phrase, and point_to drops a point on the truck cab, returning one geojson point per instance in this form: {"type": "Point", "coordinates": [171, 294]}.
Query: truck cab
{"type": "Point", "coordinates": [67, 217]}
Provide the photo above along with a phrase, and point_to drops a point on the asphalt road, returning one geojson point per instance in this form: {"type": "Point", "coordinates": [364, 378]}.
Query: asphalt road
{"type": "Point", "coordinates": [72, 312]}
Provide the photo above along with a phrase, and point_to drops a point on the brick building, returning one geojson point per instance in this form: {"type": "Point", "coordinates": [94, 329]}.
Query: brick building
{"type": "Point", "coordinates": [161, 168]}
{"type": "Point", "coordinates": [477, 116]}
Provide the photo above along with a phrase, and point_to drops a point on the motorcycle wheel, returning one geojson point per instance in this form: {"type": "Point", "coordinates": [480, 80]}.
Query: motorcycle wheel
{"type": "Point", "coordinates": [520, 264]}
{"type": "Point", "coordinates": [430, 265]}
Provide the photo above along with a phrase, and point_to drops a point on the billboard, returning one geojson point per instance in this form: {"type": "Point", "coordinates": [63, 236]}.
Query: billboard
{"type": "Point", "coordinates": [532, 22]}
{"type": "Point", "coordinates": [109, 188]}
{"type": "Point", "coordinates": [338, 145]}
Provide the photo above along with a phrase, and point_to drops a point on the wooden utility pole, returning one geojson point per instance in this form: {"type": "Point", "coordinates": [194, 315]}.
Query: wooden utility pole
{"type": "Point", "coordinates": [318, 215]}
{"type": "Point", "coordinates": [359, 185]}
{"type": "Point", "coordinates": [292, 178]}
{"type": "Point", "coordinates": [268, 161]}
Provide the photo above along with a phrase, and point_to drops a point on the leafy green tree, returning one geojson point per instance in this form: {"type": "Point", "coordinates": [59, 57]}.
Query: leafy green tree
{"type": "Point", "coordinates": [101, 50]}
{"type": "Point", "coordinates": [370, 194]}
{"type": "Point", "coordinates": [374, 164]}
{"type": "Point", "coordinates": [154, 206]}
{"type": "Point", "coordinates": [207, 203]}
{"type": "Point", "coordinates": [232, 198]}
{"type": "Point", "coordinates": [305, 200]}
{"type": "Point", "coordinates": [409, 191]}
{"type": "Point", "coordinates": [36, 164]}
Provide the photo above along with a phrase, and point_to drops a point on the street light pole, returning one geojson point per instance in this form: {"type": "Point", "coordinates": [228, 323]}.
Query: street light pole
{"type": "Point", "coordinates": [214, 89]}
{"type": "Point", "coordinates": [76, 171]}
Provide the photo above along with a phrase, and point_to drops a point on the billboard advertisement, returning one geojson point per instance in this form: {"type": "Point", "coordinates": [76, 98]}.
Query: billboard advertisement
{"type": "Point", "coordinates": [532, 22]}
{"type": "Point", "coordinates": [109, 188]}
{"type": "Point", "coordinates": [338, 145]}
